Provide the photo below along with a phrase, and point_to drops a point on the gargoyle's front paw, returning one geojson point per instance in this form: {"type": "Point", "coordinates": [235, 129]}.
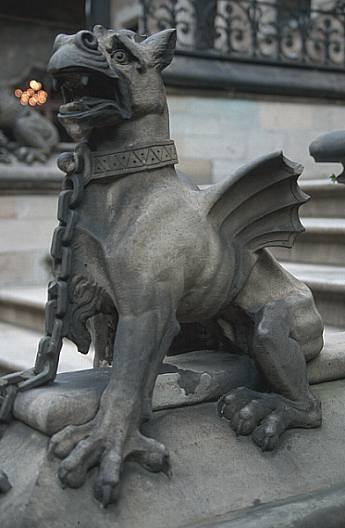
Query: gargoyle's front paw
{"type": "Point", "coordinates": [83, 447]}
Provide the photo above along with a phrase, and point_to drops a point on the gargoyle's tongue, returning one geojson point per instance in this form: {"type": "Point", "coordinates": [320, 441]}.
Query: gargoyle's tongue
{"type": "Point", "coordinates": [79, 105]}
{"type": "Point", "coordinates": [83, 93]}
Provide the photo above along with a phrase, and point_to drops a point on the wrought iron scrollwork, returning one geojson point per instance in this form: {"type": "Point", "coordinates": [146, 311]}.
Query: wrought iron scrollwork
{"type": "Point", "coordinates": [269, 31]}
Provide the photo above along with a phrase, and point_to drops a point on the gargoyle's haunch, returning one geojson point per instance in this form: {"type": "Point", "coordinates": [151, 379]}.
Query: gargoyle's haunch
{"type": "Point", "coordinates": [148, 251]}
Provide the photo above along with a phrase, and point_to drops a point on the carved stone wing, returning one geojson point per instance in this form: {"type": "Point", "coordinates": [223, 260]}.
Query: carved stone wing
{"type": "Point", "coordinates": [258, 206]}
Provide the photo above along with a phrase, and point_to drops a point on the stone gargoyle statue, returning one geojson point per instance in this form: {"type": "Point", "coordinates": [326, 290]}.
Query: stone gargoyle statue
{"type": "Point", "coordinates": [25, 134]}
{"type": "Point", "coordinates": [140, 251]}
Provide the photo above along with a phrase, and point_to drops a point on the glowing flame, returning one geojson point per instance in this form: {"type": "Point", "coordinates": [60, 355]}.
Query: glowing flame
{"type": "Point", "coordinates": [34, 95]}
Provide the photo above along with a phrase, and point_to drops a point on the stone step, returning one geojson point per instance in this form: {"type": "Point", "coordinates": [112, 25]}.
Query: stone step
{"type": "Point", "coordinates": [327, 199]}
{"type": "Point", "coordinates": [323, 242]}
{"type": "Point", "coordinates": [26, 226]}
{"type": "Point", "coordinates": [24, 306]}
{"type": "Point", "coordinates": [18, 347]}
{"type": "Point", "coordinates": [328, 286]}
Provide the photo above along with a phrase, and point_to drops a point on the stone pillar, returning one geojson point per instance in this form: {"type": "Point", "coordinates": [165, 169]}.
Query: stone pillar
{"type": "Point", "coordinates": [97, 12]}
{"type": "Point", "coordinates": [205, 13]}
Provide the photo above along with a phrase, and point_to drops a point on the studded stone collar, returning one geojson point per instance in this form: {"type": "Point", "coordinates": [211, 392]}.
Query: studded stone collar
{"type": "Point", "coordinates": [140, 158]}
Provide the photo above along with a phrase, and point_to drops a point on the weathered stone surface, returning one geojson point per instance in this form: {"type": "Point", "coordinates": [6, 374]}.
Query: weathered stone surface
{"type": "Point", "coordinates": [214, 472]}
{"type": "Point", "coordinates": [192, 378]}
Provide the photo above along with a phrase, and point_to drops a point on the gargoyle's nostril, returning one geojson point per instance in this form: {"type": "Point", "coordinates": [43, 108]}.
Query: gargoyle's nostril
{"type": "Point", "coordinates": [87, 40]}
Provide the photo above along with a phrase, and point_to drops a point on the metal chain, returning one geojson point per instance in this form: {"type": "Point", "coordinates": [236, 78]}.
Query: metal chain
{"type": "Point", "coordinates": [56, 322]}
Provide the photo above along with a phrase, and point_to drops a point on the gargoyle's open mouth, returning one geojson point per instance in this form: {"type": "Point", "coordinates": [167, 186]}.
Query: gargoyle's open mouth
{"type": "Point", "coordinates": [88, 94]}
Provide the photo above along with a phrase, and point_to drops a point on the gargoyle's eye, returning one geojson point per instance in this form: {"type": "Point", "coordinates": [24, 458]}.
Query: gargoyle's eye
{"type": "Point", "coordinates": [120, 56]}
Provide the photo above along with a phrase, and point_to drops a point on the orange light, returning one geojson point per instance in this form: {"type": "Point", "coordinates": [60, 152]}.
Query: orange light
{"type": "Point", "coordinates": [35, 85]}
{"type": "Point", "coordinates": [33, 96]}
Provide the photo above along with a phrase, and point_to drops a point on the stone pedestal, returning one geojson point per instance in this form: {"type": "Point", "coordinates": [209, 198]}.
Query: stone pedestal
{"type": "Point", "coordinates": [213, 472]}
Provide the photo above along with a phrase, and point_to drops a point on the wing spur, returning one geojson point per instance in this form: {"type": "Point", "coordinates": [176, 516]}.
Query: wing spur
{"type": "Point", "coordinates": [258, 206]}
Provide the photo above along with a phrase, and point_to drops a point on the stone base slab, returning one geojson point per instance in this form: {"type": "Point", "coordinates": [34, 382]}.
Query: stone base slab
{"type": "Point", "coordinates": [214, 472]}
{"type": "Point", "coordinates": [185, 380]}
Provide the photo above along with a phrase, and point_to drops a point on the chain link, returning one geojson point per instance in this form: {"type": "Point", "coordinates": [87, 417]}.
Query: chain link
{"type": "Point", "coordinates": [56, 323]}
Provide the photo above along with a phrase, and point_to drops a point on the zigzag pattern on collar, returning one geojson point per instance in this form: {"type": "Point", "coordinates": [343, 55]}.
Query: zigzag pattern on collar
{"type": "Point", "coordinates": [136, 159]}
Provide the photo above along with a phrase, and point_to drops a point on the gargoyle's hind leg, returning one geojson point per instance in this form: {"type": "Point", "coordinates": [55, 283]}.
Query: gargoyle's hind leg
{"type": "Point", "coordinates": [103, 330]}
{"type": "Point", "coordinates": [281, 359]}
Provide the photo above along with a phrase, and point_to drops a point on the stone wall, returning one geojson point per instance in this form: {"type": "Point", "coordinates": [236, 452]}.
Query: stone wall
{"type": "Point", "coordinates": [215, 133]}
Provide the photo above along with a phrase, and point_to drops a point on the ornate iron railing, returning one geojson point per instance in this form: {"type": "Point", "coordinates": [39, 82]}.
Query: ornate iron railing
{"type": "Point", "coordinates": [287, 32]}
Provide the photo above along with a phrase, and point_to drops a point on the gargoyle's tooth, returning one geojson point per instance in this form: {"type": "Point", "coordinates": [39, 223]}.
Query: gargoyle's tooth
{"type": "Point", "coordinates": [64, 93]}
{"type": "Point", "coordinates": [84, 80]}
{"type": "Point", "coordinates": [57, 83]}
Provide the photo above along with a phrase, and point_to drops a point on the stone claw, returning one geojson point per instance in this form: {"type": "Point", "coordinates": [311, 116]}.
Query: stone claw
{"type": "Point", "coordinates": [5, 484]}
{"type": "Point", "coordinates": [220, 407]}
{"type": "Point", "coordinates": [265, 439]}
{"type": "Point", "coordinates": [85, 446]}
{"type": "Point", "coordinates": [166, 469]}
{"type": "Point", "coordinates": [266, 416]}
{"type": "Point", "coordinates": [105, 495]}
{"type": "Point", "coordinates": [241, 427]}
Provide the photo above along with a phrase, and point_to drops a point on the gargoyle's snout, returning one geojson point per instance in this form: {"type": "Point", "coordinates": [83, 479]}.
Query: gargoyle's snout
{"type": "Point", "coordinates": [79, 51]}
{"type": "Point", "coordinates": [84, 39]}
{"type": "Point", "coordinates": [94, 92]}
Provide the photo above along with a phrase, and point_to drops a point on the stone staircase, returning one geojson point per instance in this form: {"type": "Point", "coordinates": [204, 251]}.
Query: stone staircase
{"type": "Point", "coordinates": [28, 203]}
{"type": "Point", "coordinates": [27, 219]}
{"type": "Point", "coordinates": [318, 256]}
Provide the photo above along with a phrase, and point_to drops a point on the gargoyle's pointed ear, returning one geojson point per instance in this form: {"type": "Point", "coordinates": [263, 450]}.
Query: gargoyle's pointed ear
{"type": "Point", "coordinates": [162, 47]}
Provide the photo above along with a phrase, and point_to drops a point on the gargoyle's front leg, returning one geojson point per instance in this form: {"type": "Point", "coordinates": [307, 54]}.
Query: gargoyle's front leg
{"type": "Point", "coordinates": [114, 435]}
